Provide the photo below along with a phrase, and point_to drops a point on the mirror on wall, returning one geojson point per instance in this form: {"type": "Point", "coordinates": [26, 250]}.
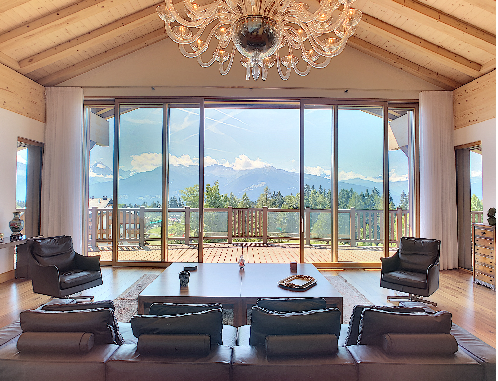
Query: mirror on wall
{"type": "Point", "coordinates": [28, 185]}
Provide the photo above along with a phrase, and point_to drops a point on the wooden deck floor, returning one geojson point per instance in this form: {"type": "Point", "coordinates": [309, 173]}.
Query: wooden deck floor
{"type": "Point", "coordinates": [253, 253]}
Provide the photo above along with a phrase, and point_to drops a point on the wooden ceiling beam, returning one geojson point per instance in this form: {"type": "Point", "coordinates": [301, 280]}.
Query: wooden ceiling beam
{"type": "Point", "coordinates": [9, 4]}
{"type": "Point", "coordinates": [403, 64]}
{"type": "Point", "coordinates": [53, 21]}
{"type": "Point", "coordinates": [103, 58]}
{"type": "Point", "coordinates": [443, 22]}
{"type": "Point", "coordinates": [96, 36]}
{"type": "Point", "coordinates": [10, 62]}
{"type": "Point", "coordinates": [436, 52]}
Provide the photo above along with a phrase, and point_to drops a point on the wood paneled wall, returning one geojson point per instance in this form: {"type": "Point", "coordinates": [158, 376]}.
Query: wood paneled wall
{"type": "Point", "coordinates": [21, 95]}
{"type": "Point", "coordinates": [476, 101]}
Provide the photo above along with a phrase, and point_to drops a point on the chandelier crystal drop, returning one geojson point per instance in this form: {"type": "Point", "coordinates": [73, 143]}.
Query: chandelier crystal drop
{"type": "Point", "coordinates": [267, 33]}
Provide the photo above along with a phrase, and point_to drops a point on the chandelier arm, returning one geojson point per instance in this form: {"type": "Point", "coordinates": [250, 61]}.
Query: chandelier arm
{"type": "Point", "coordinates": [229, 65]}
{"type": "Point", "coordinates": [170, 9]}
{"type": "Point", "coordinates": [302, 73]}
{"type": "Point", "coordinates": [205, 64]}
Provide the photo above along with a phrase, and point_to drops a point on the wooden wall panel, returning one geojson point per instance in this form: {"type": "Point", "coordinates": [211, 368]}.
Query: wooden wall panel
{"type": "Point", "coordinates": [21, 95]}
{"type": "Point", "coordinates": [476, 101]}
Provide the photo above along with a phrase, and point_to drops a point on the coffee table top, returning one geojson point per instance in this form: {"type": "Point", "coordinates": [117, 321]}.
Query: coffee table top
{"type": "Point", "coordinates": [225, 280]}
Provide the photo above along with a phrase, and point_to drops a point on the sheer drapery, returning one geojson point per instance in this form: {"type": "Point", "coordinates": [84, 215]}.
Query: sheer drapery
{"type": "Point", "coordinates": [62, 167]}
{"type": "Point", "coordinates": [438, 212]}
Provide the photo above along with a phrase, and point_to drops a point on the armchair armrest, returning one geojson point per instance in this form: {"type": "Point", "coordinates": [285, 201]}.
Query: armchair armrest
{"type": "Point", "coordinates": [87, 263]}
{"type": "Point", "coordinates": [45, 279]}
{"type": "Point", "coordinates": [390, 264]}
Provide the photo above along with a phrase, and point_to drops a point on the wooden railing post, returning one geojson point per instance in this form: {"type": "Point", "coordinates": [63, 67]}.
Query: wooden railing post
{"type": "Point", "coordinates": [265, 225]}
{"type": "Point", "coordinates": [399, 224]}
{"type": "Point", "coordinates": [307, 225]}
{"type": "Point", "coordinates": [187, 225]}
{"type": "Point", "coordinates": [230, 224]}
{"type": "Point", "coordinates": [352, 227]}
{"type": "Point", "coordinates": [94, 230]}
{"type": "Point", "coordinates": [141, 222]}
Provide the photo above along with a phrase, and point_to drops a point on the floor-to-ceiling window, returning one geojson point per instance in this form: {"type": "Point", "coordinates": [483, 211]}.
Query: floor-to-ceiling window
{"type": "Point", "coordinates": [279, 181]}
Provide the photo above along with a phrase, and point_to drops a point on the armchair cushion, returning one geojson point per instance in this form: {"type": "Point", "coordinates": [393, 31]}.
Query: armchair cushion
{"type": "Point", "coordinates": [74, 278]}
{"type": "Point", "coordinates": [205, 322]}
{"type": "Point", "coordinates": [375, 324]}
{"type": "Point", "coordinates": [417, 254]}
{"type": "Point", "coordinates": [97, 321]}
{"type": "Point", "coordinates": [174, 345]}
{"type": "Point", "coordinates": [407, 278]}
{"type": "Point", "coordinates": [301, 345]}
{"type": "Point", "coordinates": [178, 309]}
{"type": "Point", "coordinates": [419, 344]}
{"type": "Point", "coordinates": [265, 323]}
{"type": "Point", "coordinates": [54, 251]}
{"type": "Point", "coordinates": [56, 342]}
{"type": "Point", "coordinates": [292, 304]}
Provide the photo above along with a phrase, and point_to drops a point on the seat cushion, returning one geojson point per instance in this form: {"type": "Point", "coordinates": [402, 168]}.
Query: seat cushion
{"type": "Point", "coordinates": [178, 309]}
{"type": "Point", "coordinates": [417, 254]}
{"type": "Point", "coordinates": [292, 304]}
{"type": "Point", "coordinates": [406, 278]}
{"type": "Point", "coordinates": [75, 278]}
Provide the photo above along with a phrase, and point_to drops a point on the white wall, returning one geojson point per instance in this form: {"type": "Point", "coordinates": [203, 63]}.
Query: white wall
{"type": "Point", "coordinates": [486, 133]}
{"type": "Point", "coordinates": [12, 125]}
{"type": "Point", "coordinates": [163, 67]}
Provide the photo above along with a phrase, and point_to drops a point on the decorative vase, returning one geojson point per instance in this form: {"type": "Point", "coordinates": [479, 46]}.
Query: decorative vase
{"type": "Point", "coordinates": [16, 224]}
{"type": "Point", "coordinates": [184, 278]}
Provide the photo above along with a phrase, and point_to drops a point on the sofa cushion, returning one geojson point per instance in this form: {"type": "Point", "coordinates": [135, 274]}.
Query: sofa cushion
{"type": "Point", "coordinates": [174, 345]}
{"type": "Point", "coordinates": [355, 319]}
{"type": "Point", "coordinates": [265, 323]}
{"type": "Point", "coordinates": [98, 321]}
{"type": "Point", "coordinates": [54, 251]}
{"type": "Point", "coordinates": [204, 322]}
{"type": "Point", "coordinates": [73, 278]}
{"type": "Point", "coordinates": [406, 278]}
{"type": "Point", "coordinates": [376, 323]}
{"type": "Point", "coordinates": [417, 254]}
{"type": "Point", "coordinates": [301, 345]}
{"type": "Point", "coordinates": [292, 304]}
{"type": "Point", "coordinates": [178, 309]}
{"type": "Point", "coordinates": [55, 342]}
{"type": "Point", "coordinates": [419, 344]}
{"type": "Point", "coordinates": [109, 304]}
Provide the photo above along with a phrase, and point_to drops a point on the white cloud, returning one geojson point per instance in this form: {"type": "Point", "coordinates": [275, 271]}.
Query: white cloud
{"type": "Point", "coordinates": [243, 162]}
{"type": "Point", "coordinates": [184, 160]}
{"type": "Point", "coordinates": [145, 162]}
{"type": "Point", "coordinates": [475, 173]}
{"type": "Point", "coordinates": [344, 176]}
{"type": "Point", "coordinates": [93, 174]}
{"type": "Point", "coordinates": [208, 160]}
{"type": "Point", "coordinates": [393, 176]}
{"type": "Point", "coordinates": [317, 171]}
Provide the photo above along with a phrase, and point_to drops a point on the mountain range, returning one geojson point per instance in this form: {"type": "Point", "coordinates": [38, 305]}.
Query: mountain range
{"type": "Point", "coordinates": [146, 186]}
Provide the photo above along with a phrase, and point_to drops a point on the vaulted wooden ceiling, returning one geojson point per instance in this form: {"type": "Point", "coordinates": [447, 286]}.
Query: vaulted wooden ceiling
{"type": "Point", "coordinates": [445, 42]}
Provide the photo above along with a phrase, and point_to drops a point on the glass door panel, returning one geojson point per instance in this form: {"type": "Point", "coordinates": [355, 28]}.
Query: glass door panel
{"type": "Point", "coordinates": [183, 183]}
{"type": "Point", "coordinates": [360, 184]}
{"type": "Point", "coordinates": [318, 149]}
{"type": "Point", "coordinates": [100, 126]}
{"type": "Point", "coordinates": [140, 183]}
{"type": "Point", "coordinates": [251, 169]}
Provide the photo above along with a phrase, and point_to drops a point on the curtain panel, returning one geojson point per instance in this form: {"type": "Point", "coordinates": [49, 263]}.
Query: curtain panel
{"type": "Point", "coordinates": [62, 175]}
{"type": "Point", "coordinates": [438, 209]}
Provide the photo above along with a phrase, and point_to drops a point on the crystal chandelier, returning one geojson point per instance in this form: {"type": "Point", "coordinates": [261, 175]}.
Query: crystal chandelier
{"type": "Point", "coordinates": [265, 32]}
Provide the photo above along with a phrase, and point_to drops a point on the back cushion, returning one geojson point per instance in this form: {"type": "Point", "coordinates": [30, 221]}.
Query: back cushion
{"type": "Point", "coordinates": [179, 309]}
{"type": "Point", "coordinates": [205, 322]}
{"type": "Point", "coordinates": [354, 321]}
{"type": "Point", "coordinates": [265, 323]}
{"type": "Point", "coordinates": [98, 321]}
{"type": "Point", "coordinates": [417, 254]}
{"type": "Point", "coordinates": [54, 251]}
{"type": "Point", "coordinates": [292, 304]}
{"type": "Point", "coordinates": [375, 324]}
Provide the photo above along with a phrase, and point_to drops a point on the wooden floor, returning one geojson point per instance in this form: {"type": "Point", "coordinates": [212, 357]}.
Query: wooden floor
{"type": "Point", "coordinates": [473, 307]}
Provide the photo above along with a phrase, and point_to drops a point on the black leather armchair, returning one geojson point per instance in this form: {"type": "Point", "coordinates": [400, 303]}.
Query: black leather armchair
{"type": "Point", "coordinates": [57, 270]}
{"type": "Point", "coordinates": [413, 269]}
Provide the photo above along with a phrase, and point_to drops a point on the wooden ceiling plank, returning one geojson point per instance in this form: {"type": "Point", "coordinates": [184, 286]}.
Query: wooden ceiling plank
{"type": "Point", "coordinates": [403, 64]}
{"type": "Point", "coordinates": [488, 66]}
{"type": "Point", "coordinates": [436, 52]}
{"type": "Point", "coordinates": [82, 9]}
{"type": "Point", "coordinates": [96, 36]}
{"type": "Point", "coordinates": [486, 5]}
{"type": "Point", "coordinates": [103, 58]}
{"type": "Point", "coordinates": [443, 22]}
{"type": "Point", "coordinates": [9, 4]}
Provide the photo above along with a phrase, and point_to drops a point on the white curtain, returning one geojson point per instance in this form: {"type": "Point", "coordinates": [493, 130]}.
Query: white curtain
{"type": "Point", "coordinates": [438, 211]}
{"type": "Point", "coordinates": [62, 186]}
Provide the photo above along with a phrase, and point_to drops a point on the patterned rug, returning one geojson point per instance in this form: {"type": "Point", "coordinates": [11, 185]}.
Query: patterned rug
{"type": "Point", "coordinates": [127, 303]}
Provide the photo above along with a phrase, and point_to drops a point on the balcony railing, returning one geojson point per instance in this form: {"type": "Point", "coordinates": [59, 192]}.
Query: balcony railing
{"type": "Point", "coordinates": [137, 225]}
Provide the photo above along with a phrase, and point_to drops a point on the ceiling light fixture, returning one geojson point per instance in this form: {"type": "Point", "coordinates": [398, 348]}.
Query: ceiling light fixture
{"type": "Point", "coordinates": [265, 32]}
